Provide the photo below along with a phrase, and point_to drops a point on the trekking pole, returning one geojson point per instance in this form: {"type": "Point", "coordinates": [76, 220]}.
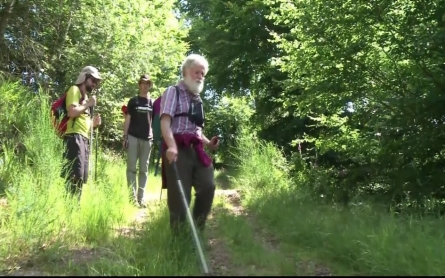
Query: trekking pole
{"type": "Point", "coordinates": [205, 268]}
{"type": "Point", "coordinates": [157, 165]}
{"type": "Point", "coordinates": [91, 143]}
{"type": "Point", "coordinates": [95, 151]}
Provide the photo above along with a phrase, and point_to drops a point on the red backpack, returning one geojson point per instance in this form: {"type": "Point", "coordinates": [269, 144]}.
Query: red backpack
{"type": "Point", "coordinates": [124, 110]}
{"type": "Point", "coordinates": [59, 114]}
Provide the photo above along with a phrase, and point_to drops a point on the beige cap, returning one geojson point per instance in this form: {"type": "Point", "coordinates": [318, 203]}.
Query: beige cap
{"type": "Point", "coordinates": [145, 77]}
{"type": "Point", "coordinates": [88, 70]}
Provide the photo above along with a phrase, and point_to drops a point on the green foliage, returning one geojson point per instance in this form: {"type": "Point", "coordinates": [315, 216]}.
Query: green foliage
{"type": "Point", "coordinates": [13, 121]}
{"type": "Point", "coordinates": [232, 35]}
{"type": "Point", "coordinates": [124, 39]}
{"type": "Point", "coordinates": [38, 210]}
{"type": "Point", "coordinates": [381, 57]}
{"type": "Point", "coordinates": [302, 62]}
{"type": "Point", "coordinates": [260, 163]}
{"type": "Point", "coordinates": [227, 118]}
{"type": "Point", "coordinates": [240, 60]}
{"type": "Point", "coordinates": [39, 222]}
{"type": "Point", "coordinates": [363, 239]}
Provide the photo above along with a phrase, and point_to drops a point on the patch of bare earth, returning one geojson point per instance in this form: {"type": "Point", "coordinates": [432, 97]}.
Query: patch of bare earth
{"type": "Point", "coordinates": [219, 253]}
{"type": "Point", "coordinates": [79, 256]}
{"type": "Point", "coordinates": [3, 202]}
{"type": "Point", "coordinates": [135, 226]}
{"type": "Point", "coordinates": [233, 197]}
{"type": "Point", "coordinates": [141, 216]}
{"type": "Point", "coordinates": [220, 260]}
{"type": "Point", "coordinates": [26, 273]}
{"type": "Point", "coordinates": [269, 242]}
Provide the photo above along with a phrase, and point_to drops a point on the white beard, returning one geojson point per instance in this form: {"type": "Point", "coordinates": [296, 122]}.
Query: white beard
{"type": "Point", "coordinates": [195, 87]}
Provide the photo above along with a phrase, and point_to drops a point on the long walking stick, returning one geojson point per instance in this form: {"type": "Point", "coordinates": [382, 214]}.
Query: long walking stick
{"type": "Point", "coordinates": [157, 165]}
{"type": "Point", "coordinates": [205, 268]}
{"type": "Point", "coordinates": [91, 143]}
{"type": "Point", "coordinates": [95, 152]}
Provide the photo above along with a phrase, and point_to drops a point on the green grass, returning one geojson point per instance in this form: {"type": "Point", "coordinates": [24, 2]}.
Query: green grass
{"type": "Point", "coordinates": [38, 214]}
{"type": "Point", "coordinates": [281, 231]}
{"type": "Point", "coordinates": [361, 240]}
{"type": "Point", "coordinates": [44, 231]}
{"type": "Point", "coordinates": [145, 252]}
{"type": "Point", "coordinates": [250, 254]}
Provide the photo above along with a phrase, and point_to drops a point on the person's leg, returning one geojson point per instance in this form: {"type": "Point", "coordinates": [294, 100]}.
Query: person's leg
{"type": "Point", "coordinates": [67, 158]}
{"type": "Point", "coordinates": [86, 159]}
{"type": "Point", "coordinates": [174, 198]}
{"type": "Point", "coordinates": [132, 156]}
{"type": "Point", "coordinates": [203, 181]}
{"type": "Point", "coordinates": [83, 161]}
{"type": "Point", "coordinates": [144, 158]}
{"type": "Point", "coordinates": [73, 168]}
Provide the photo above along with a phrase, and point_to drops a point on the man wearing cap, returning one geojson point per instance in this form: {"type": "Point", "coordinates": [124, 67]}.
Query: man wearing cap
{"type": "Point", "coordinates": [78, 105]}
{"type": "Point", "coordinates": [138, 137]}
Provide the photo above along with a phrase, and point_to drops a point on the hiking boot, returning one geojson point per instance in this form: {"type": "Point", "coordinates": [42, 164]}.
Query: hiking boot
{"type": "Point", "coordinates": [141, 204]}
{"type": "Point", "coordinates": [135, 203]}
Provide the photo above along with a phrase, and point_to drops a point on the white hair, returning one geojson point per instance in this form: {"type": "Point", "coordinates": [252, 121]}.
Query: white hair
{"type": "Point", "coordinates": [195, 59]}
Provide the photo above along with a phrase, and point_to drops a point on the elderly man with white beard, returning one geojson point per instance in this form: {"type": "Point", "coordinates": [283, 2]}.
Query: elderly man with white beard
{"type": "Point", "coordinates": [182, 121]}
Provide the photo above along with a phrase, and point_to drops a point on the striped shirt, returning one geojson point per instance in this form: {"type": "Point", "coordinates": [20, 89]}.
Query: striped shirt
{"type": "Point", "coordinates": [170, 106]}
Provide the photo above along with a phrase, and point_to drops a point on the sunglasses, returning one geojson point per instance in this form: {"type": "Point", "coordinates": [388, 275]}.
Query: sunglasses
{"type": "Point", "coordinates": [95, 81]}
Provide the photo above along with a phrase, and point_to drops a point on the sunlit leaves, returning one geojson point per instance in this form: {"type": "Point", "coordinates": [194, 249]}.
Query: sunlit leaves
{"type": "Point", "coordinates": [124, 39]}
{"type": "Point", "coordinates": [354, 50]}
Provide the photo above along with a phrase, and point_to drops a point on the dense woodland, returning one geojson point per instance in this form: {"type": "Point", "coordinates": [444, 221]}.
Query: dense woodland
{"type": "Point", "coordinates": [352, 92]}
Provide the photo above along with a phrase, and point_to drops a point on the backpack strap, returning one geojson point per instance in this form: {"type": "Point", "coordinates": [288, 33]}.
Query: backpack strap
{"type": "Point", "coordinates": [177, 103]}
{"type": "Point", "coordinates": [150, 102]}
{"type": "Point", "coordinates": [82, 97]}
{"type": "Point", "coordinates": [177, 93]}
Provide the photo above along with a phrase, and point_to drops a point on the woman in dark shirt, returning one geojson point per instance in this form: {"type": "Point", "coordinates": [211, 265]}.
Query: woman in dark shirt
{"type": "Point", "coordinates": [138, 137]}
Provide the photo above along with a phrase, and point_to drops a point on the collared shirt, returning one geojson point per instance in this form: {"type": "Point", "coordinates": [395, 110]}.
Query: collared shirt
{"type": "Point", "coordinates": [172, 107]}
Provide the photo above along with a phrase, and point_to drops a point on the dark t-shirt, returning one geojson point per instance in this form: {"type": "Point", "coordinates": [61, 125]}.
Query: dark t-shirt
{"type": "Point", "coordinates": [141, 112]}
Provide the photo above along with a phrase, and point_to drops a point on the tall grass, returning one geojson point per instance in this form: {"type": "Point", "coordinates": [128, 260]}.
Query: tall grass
{"type": "Point", "coordinates": [40, 218]}
{"type": "Point", "coordinates": [39, 212]}
{"type": "Point", "coordinates": [261, 166]}
{"type": "Point", "coordinates": [41, 223]}
{"type": "Point", "coordinates": [362, 240]}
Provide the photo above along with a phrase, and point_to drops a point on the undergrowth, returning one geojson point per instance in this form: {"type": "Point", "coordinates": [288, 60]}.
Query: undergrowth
{"type": "Point", "coordinates": [39, 221]}
{"type": "Point", "coordinates": [361, 240]}
{"type": "Point", "coordinates": [38, 212]}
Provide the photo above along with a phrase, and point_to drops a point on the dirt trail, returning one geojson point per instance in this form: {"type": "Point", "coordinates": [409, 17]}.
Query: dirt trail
{"type": "Point", "coordinates": [79, 256]}
{"type": "Point", "coordinates": [222, 264]}
{"type": "Point", "coordinates": [220, 259]}
{"type": "Point", "coordinates": [140, 217]}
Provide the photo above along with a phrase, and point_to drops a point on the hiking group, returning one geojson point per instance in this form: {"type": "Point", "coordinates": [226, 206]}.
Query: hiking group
{"type": "Point", "coordinates": [175, 121]}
